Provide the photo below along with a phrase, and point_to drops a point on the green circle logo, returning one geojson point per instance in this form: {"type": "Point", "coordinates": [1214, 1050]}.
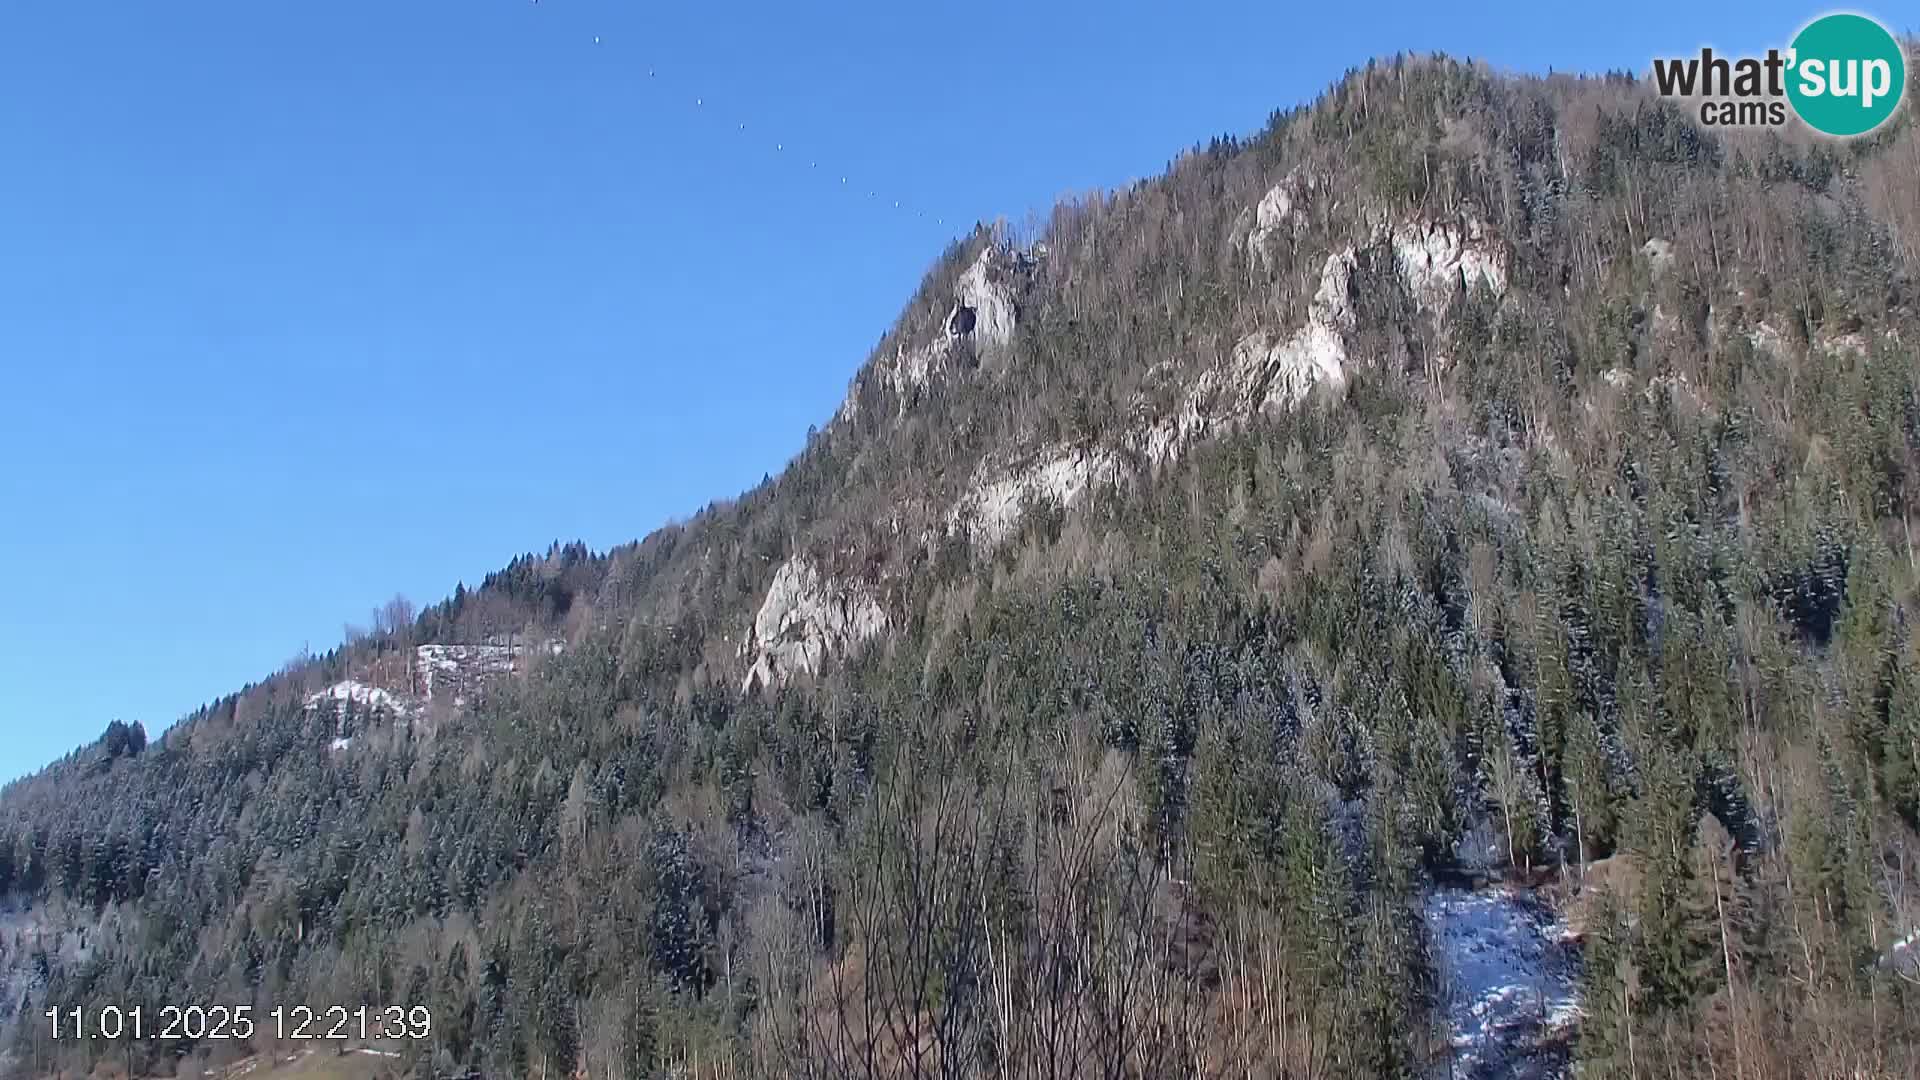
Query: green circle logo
{"type": "Point", "coordinates": [1847, 74]}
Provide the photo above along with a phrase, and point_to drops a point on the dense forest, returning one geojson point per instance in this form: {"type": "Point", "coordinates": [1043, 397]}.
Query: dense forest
{"type": "Point", "coordinates": [1603, 584]}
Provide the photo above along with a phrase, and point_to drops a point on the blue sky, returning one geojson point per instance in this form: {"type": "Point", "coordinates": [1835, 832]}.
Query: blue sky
{"type": "Point", "coordinates": [303, 304]}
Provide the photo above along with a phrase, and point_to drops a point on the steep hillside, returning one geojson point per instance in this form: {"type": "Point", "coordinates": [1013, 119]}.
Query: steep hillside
{"type": "Point", "coordinates": [1427, 589]}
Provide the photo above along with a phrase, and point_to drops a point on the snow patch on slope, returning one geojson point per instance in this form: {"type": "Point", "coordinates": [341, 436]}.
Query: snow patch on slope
{"type": "Point", "coordinates": [371, 698]}
{"type": "Point", "coordinates": [1507, 980]}
{"type": "Point", "coordinates": [804, 617]}
{"type": "Point", "coordinates": [462, 670]}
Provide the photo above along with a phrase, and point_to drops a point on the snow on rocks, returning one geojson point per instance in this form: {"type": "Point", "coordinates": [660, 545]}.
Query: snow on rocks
{"type": "Point", "coordinates": [348, 705]}
{"type": "Point", "coordinates": [1507, 975]}
{"type": "Point", "coordinates": [805, 617]}
{"type": "Point", "coordinates": [461, 670]}
{"type": "Point", "coordinates": [368, 698]}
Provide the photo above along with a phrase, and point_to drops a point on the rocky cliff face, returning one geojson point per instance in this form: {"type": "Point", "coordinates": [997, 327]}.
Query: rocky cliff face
{"type": "Point", "coordinates": [1267, 370]}
{"type": "Point", "coordinates": [806, 617]}
{"type": "Point", "coordinates": [1000, 495]}
{"type": "Point", "coordinates": [980, 318]}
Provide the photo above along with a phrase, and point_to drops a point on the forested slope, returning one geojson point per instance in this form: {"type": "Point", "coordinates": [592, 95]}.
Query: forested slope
{"type": "Point", "coordinates": [1466, 474]}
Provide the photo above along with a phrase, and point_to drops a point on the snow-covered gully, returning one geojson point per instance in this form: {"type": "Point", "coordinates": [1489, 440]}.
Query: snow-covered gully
{"type": "Point", "coordinates": [1508, 983]}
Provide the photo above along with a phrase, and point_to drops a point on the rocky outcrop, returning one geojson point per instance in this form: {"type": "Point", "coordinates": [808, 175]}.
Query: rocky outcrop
{"type": "Point", "coordinates": [1272, 222]}
{"type": "Point", "coordinates": [351, 694]}
{"type": "Point", "coordinates": [1659, 255]}
{"type": "Point", "coordinates": [1437, 260]}
{"type": "Point", "coordinates": [1268, 371]}
{"type": "Point", "coordinates": [998, 498]}
{"type": "Point", "coordinates": [982, 316]}
{"type": "Point", "coordinates": [804, 618]}
{"type": "Point", "coordinates": [1678, 389]}
{"type": "Point", "coordinates": [1316, 353]}
{"type": "Point", "coordinates": [1768, 338]}
{"type": "Point", "coordinates": [992, 303]}
{"type": "Point", "coordinates": [461, 672]}
{"type": "Point", "coordinates": [1842, 343]}
{"type": "Point", "coordinates": [1265, 372]}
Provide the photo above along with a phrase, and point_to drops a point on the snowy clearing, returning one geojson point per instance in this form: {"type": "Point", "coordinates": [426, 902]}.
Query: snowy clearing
{"type": "Point", "coordinates": [1508, 980]}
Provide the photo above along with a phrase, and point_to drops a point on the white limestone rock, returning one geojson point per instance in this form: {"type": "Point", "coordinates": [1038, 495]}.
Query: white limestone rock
{"type": "Point", "coordinates": [1265, 371]}
{"type": "Point", "coordinates": [1851, 343]}
{"type": "Point", "coordinates": [913, 368]}
{"type": "Point", "coordinates": [1678, 389]}
{"type": "Point", "coordinates": [1659, 255]}
{"type": "Point", "coordinates": [1768, 338]}
{"type": "Point", "coordinates": [991, 509]}
{"type": "Point", "coordinates": [1314, 356]}
{"type": "Point", "coordinates": [1272, 220]}
{"type": "Point", "coordinates": [1435, 260]}
{"type": "Point", "coordinates": [805, 618]}
{"type": "Point", "coordinates": [992, 303]}
{"type": "Point", "coordinates": [983, 312]}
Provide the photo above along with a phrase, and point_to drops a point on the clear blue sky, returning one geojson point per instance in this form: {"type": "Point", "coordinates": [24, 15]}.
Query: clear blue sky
{"type": "Point", "coordinates": [306, 303]}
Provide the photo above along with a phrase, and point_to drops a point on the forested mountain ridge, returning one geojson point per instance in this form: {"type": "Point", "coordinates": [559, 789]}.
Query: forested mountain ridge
{"type": "Point", "coordinates": [1468, 473]}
